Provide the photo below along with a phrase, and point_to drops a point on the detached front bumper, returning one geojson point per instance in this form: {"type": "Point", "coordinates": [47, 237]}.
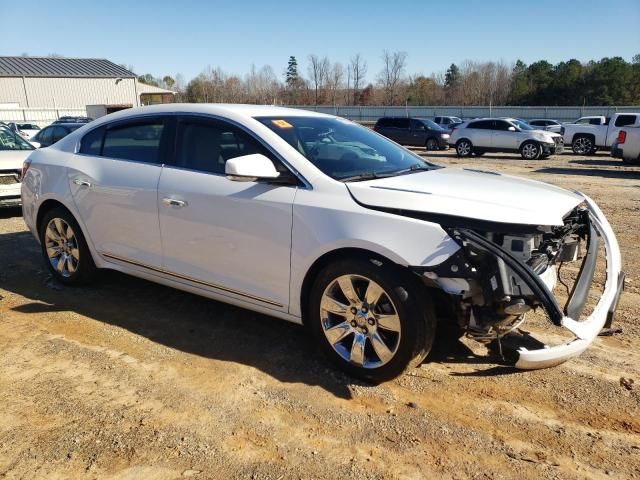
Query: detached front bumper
{"type": "Point", "coordinates": [586, 330]}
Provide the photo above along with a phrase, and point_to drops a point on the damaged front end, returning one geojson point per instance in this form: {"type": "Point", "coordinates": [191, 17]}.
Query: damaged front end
{"type": "Point", "coordinates": [503, 271]}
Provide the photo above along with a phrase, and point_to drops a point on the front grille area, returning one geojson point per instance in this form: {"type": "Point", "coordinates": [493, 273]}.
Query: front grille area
{"type": "Point", "coordinates": [9, 177]}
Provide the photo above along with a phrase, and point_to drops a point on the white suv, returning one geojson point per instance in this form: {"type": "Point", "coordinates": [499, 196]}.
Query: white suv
{"type": "Point", "coordinates": [504, 135]}
{"type": "Point", "coordinates": [316, 220]}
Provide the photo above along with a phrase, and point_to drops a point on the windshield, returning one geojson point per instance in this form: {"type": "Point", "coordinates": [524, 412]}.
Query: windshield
{"type": "Point", "coordinates": [522, 125]}
{"type": "Point", "coordinates": [9, 140]}
{"type": "Point", "coordinates": [431, 124]}
{"type": "Point", "coordinates": [344, 150]}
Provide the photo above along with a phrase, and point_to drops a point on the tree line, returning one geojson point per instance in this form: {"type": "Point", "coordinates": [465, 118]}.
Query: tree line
{"type": "Point", "coordinates": [608, 81]}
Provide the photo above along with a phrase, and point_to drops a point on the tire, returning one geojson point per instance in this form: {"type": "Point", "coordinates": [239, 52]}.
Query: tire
{"type": "Point", "coordinates": [464, 148]}
{"type": "Point", "coordinates": [530, 150]}
{"type": "Point", "coordinates": [583, 145]}
{"type": "Point", "coordinates": [65, 249]}
{"type": "Point", "coordinates": [432, 144]}
{"type": "Point", "coordinates": [352, 333]}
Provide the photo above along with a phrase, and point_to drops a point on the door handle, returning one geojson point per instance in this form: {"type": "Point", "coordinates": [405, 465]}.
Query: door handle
{"type": "Point", "coordinates": [82, 183]}
{"type": "Point", "coordinates": [173, 202]}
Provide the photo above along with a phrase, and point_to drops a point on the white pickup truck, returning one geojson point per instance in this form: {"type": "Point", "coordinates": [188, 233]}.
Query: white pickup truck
{"type": "Point", "coordinates": [627, 144]}
{"type": "Point", "coordinates": [586, 139]}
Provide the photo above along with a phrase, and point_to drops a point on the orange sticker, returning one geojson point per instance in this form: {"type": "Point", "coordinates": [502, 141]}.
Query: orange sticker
{"type": "Point", "coordinates": [281, 123]}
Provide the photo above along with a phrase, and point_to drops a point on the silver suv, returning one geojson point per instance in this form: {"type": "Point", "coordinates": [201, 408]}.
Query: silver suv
{"type": "Point", "coordinates": [504, 135]}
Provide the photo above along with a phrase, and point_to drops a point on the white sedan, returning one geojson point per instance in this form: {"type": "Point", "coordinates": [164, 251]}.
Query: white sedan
{"type": "Point", "coordinates": [317, 220]}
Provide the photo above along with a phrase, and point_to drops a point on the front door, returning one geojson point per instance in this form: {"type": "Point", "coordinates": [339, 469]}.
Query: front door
{"type": "Point", "coordinates": [114, 186]}
{"type": "Point", "coordinates": [233, 238]}
{"type": "Point", "coordinates": [504, 139]}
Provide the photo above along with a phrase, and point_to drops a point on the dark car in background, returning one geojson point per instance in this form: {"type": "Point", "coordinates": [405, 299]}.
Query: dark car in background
{"type": "Point", "coordinates": [54, 132]}
{"type": "Point", "coordinates": [69, 119]}
{"type": "Point", "coordinates": [416, 132]}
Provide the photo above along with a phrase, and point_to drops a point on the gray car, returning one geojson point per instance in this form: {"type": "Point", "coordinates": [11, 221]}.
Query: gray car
{"type": "Point", "coordinates": [416, 132]}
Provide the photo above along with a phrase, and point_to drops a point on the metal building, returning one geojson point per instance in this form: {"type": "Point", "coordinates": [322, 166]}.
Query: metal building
{"type": "Point", "coordinates": [68, 83]}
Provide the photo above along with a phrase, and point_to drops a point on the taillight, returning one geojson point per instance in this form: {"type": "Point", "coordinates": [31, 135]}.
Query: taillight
{"type": "Point", "coordinates": [622, 136]}
{"type": "Point", "coordinates": [25, 166]}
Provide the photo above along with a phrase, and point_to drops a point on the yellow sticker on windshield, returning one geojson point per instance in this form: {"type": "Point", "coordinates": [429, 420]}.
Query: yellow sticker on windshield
{"type": "Point", "coordinates": [281, 124]}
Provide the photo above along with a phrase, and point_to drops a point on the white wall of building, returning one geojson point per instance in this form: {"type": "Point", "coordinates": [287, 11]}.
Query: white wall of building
{"type": "Point", "coordinates": [47, 92]}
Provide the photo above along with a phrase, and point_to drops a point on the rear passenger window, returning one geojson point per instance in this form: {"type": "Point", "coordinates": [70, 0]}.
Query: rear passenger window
{"type": "Point", "coordinates": [624, 120]}
{"type": "Point", "coordinates": [91, 143]}
{"type": "Point", "coordinates": [401, 123]}
{"type": "Point", "coordinates": [206, 146]}
{"type": "Point", "coordinates": [139, 142]}
{"type": "Point", "coordinates": [482, 124]}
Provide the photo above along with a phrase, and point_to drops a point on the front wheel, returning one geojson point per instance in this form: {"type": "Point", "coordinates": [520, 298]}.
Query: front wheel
{"type": "Point", "coordinates": [370, 319]}
{"type": "Point", "coordinates": [464, 148]}
{"type": "Point", "coordinates": [432, 144]}
{"type": "Point", "coordinates": [583, 145]}
{"type": "Point", "coordinates": [530, 151]}
{"type": "Point", "coordinates": [65, 249]}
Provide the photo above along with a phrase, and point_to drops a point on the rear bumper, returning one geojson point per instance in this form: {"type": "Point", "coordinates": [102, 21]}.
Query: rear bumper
{"type": "Point", "coordinates": [616, 153]}
{"type": "Point", "coordinates": [587, 330]}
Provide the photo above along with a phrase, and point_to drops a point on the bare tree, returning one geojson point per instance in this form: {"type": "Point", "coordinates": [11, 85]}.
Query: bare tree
{"type": "Point", "coordinates": [393, 65]}
{"type": "Point", "coordinates": [318, 71]}
{"type": "Point", "coordinates": [357, 74]}
{"type": "Point", "coordinates": [334, 80]}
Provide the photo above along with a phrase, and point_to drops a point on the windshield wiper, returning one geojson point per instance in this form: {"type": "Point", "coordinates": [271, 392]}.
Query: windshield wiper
{"type": "Point", "coordinates": [362, 176]}
{"type": "Point", "coordinates": [416, 167]}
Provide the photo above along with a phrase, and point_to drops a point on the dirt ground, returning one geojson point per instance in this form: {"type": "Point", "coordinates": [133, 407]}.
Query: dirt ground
{"type": "Point", "coordinates": [129, 380]}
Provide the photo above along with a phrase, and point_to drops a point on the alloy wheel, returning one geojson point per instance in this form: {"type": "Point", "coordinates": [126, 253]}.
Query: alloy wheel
{"type": "Point", "coordinates": [530, 151]}
{"type": "Point", "coordinates": [62, 247]}
{"type": "Point", "coordinates": [582, 146]}
{"type": "Point", "coordinates": [360, 321]}
{"type": "Point", "coordinates": [463, 149]}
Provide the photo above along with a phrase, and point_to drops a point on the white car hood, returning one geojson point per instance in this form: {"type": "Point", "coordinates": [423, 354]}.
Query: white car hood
{"type": "Point", "coordinates": [12, 159]}
{"type": "Point", "coordinates": [469, 193]}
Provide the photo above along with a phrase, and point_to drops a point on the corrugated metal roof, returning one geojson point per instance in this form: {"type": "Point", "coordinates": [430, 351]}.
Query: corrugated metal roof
{"type": "Point", "coordinates": [61, 67]}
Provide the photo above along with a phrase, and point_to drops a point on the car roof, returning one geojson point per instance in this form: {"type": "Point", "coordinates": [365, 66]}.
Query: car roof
{"type": "Point", "coordinates": [224, 109]}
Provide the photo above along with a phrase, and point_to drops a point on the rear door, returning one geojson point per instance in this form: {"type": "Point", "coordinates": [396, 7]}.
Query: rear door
{"type": "Point", "coordinates": [232, 238]}
{"type": "Point", "coordinates": [114, 185]}
{"type": "Point", "coordinates": [480, 133]}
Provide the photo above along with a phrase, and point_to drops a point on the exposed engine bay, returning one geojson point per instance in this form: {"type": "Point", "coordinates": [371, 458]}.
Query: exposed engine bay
{"type": "Point", "coordinates": [500, 274]}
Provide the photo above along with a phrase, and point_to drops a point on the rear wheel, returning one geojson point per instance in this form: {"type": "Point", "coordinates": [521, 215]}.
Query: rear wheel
{"type": "Point", "coordinates": [464, 148]}
{"type": "Point", "coordinates": [432, 144]}
{"type": "Point", "coordinates": [64, 248]}
{"type": "Point", "coordinates": [583, 145]}
{"type": "Point", "coordinates": [370, 319]}
{"type": "Point", "coordinates": [530, 150]}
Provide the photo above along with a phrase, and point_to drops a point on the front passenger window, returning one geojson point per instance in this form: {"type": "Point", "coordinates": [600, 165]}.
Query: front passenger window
{"type": "Point", "coordinates": [206, 146]}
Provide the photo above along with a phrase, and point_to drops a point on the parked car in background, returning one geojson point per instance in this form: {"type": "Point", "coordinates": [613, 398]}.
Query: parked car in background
{"type": "Point", "coordinates": [319, 221]}
{"type": "Point", "coordinates": [447, 122]}
{"type": "Point", "coordinates": [14, 150]}
{"type": "Point", "coordinates": [418, 132]}
{"type": "Point", "coordinates": [27, 130]}
{"type": "Point", "coordinates": [627, 144]}
{"type": "Point", "coordinates": [546, 124]}
{"type": "Point", "coordinates": [504, 135]}
{"type": "Point", "coordinates": [585, 139]}
{"type": "Point", "coordinates": [590, 120]}
{"type": "Point", "coordinates": [54, 132]}
{"type": "Point", "coordinates": [68, 119]}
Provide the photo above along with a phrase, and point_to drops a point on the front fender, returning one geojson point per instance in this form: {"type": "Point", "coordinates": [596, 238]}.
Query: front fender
{"type": "Point", "coordinates": [320, 229]}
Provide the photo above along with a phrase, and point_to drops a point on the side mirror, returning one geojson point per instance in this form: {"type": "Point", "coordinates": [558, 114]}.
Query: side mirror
{"type": "Point", "coordinates": [512, 129]}
{"type": "Point", "coordinates": [250, 168]}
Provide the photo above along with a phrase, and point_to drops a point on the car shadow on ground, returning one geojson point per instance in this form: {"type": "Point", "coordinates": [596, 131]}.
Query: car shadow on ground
{"type": "Point", "coordinates": [591, 172]}
{"type": "Point", "coordinates": [170, 317]}
{"type": "Point", "coordinates": [593, 162]}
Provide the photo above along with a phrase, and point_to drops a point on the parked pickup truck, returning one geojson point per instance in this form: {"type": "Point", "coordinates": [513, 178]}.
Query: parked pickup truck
{"type": "Point", "coordinates": [586, 139]}
{"type": "Point", "coordinates": [627, 144]}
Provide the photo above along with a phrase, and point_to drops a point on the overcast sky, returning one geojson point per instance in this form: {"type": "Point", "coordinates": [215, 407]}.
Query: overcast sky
{"type": "Point", "coordinates": [168, 37]}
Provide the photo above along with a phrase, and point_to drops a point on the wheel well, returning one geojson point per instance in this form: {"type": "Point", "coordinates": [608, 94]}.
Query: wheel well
{"type": "Point", "coordinates": [325, 260]}
{"type": "Point", "coordinates": [464, 138]}
{"type": "Point", "coordinates": [47, 206]}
